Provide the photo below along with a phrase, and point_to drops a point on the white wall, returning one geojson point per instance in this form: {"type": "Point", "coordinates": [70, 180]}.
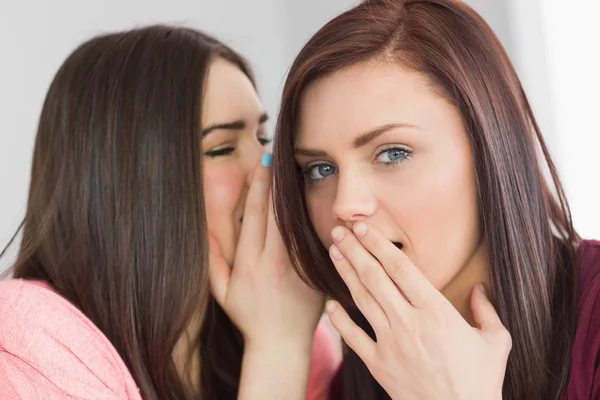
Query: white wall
{"type": "Point", "coordinates": [544, 37]}
{"type": "Point", "coordinates": [37, 35]}
{"type": "Point", "coordinates": [572, 33]}
{"type": "Point", "coordinates": [554, 47]}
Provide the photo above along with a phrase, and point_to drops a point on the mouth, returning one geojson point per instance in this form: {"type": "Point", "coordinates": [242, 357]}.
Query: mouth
{"type": "Point", "coordinates": [398, 245]}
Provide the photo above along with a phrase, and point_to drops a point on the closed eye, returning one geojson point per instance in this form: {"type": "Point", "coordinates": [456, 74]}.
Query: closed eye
{"type": "Point", "coordinates": [265, 141]}
{"type": "Point", "coordinates": [225, 151]}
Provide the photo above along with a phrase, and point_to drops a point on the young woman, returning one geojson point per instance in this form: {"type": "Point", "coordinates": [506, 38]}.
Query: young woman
{"type": "Point", "coordinates": [148, 146]}
{"type": "Point", "coordinates": [409, 186]}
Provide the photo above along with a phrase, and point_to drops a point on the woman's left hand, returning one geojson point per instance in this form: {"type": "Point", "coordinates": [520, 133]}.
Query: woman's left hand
{"type": "Point", "coordinates": [425, 349]}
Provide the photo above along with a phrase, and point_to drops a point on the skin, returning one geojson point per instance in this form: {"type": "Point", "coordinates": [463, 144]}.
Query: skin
{"type": "Point", "coordinates": [426, 200]}
{"type": "Point", "coordinates": [249, 271]}
{"type": "Point", "coordinates": [230, 155]}
{"type": "Point", "coordinates": [391, 190]}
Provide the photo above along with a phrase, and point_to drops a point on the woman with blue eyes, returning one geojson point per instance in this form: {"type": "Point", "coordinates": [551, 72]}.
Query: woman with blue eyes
{"type": "Point", "coordinates": [151, 266]}
{"type": "Point", "coordinates": [410, 188]}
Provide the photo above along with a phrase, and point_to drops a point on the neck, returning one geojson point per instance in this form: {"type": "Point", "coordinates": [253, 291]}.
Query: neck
{"type": "Point", "coordinates": [460, 288]}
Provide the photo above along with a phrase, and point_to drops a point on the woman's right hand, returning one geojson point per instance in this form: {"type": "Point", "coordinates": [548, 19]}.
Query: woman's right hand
{"type": "Point", "coordinates": [261, 293]}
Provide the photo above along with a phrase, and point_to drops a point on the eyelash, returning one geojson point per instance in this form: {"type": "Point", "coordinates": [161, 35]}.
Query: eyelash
{"type": "Point", "coordinates": [220, 152]}
{"type": "Point", "coordinates": [306, 171]}
{"type": "Point", "coordinates": [228, 150]}
{"type": "Point", "coordinates": [407, 155]}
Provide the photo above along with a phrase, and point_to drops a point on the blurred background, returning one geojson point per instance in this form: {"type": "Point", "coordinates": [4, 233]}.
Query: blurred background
{"type": "Point", "coordinates": [553, 45]}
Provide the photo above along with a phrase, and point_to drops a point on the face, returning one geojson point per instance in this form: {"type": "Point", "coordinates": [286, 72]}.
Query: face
{"type": "Point", "coordinates": [234, 139]}
{"type": "Point", "coordinates": [378, 144]}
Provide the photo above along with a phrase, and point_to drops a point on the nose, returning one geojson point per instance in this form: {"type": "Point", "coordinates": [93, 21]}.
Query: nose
{"type": "Point", "coordinates": [250, 159]}
{"type": "Point", "coordinates": [354, 200]}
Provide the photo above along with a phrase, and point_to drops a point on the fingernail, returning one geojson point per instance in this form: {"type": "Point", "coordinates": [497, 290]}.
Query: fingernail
{"type": "Point", "coordinates": [330, 306]}
{"type": "Point", "coordinates": [335, 252]}
{"type": "Point", "coordinates": [266, 159]}
{"type": "Point", "coordinates": [360, 228]}
{"type": "Point", "coordinates": [338, 233]}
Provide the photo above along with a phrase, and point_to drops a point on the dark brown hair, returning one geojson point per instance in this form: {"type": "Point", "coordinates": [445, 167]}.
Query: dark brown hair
{"type": "Point", "coordinates": [115, 220]}
{"type": "Point", "coordinates": [524, 218]}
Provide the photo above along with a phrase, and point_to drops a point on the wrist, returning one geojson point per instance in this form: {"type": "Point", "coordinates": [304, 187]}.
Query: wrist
{"type": "Point", "coordinates": [279, 361]}
{"type": "Point", "coordinates": [269, 347]}
{"type": "Point", "coordinates": [277, 369]}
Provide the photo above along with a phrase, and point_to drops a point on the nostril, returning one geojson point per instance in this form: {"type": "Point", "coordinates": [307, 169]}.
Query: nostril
{"type": "Point", "coordinates": [398, 245]}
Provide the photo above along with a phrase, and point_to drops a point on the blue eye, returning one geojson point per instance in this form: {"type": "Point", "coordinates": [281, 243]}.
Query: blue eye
{"type": "Point", "coordinates": [393, 155]}
{"type": "Point", "coordinates": [319, 171]}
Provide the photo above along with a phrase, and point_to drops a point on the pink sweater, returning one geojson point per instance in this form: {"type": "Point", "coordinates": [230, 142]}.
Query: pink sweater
{"type": "Point", "coordinates": [50, 350]}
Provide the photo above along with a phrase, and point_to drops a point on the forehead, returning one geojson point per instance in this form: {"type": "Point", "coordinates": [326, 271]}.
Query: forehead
{"type": "Point", "coordinates": [228, 94]}
{"type": "Point", "coordinates": [355, 99]}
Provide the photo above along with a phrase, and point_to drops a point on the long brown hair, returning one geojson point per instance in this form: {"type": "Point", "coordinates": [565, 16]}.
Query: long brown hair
{"type": "Point", "coordinates": [525, 219]}
{"type": "Point", "coordinates": [115, 220]}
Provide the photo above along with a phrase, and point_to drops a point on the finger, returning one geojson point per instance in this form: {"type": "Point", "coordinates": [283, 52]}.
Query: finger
{"type": "Point", "coordinates": [273, 241]}
{"type": "Point", "coordinates": [484, 313]}
{"type": "Point", "coordinates": [399, 267]}
{"type": "Point", "coordinates": [254, 225]}
{"type": "Point", "coordinates": [219, 272]}
{"type": "Point", "coordinates": [363, 299]}
{"type": "Point", "coordinates": [371, 273]}
{"type": "Point", "coordinates": [352, 334]}
{"type": "Point", "coordinates": [488, 321]}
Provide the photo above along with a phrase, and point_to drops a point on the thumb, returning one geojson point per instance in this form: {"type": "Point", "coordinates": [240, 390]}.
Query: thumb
{"type": "Point", "coordinates": [219, 272]}
{"type": "Point", "coordinates": [484, 313]}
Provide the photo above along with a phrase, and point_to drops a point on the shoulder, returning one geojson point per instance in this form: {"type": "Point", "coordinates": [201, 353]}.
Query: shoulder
{"type": "Point", "coordinates": [588, 263]}
{"type": "Point", "coordinates": [50, 349]}
{"type": "Point", "coordinates": [587, 266]}
{"type": "Point", "coordinates": [584, 374]}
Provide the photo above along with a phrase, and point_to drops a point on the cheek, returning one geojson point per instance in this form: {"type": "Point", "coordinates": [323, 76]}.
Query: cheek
{"type": "Point", "coordinates": [439, 212]}
{"type": "Point", "coordinates": [320, 203]}
{"type": "Point", "coordinates": [223, 189]}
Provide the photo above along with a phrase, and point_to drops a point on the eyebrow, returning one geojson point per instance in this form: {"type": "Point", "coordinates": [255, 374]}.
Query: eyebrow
{"type": "Point", "coordinates": [359, 141]}
{"type": "Point", "coordinates": [234, 125]}
{"type": "Point", "coordinates": [374, 133]}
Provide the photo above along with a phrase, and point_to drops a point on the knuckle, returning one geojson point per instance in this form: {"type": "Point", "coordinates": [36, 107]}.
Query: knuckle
{"type": "Point", "coordinates": [380, 243]}
{"type": "Point", "coordinates": [370, 275]}
{"type": "Point", "coordinates": [365, 302]}
{"type": "Point", "coordinates": [363, 299]}
{"type": "Point", "coordinates": [368, 300]}
{"type": "Point", "coordinates": [378, 369]}
{"type": "Point", "coordinates": [399, 269]}
{"type": "Point", "coordinates": [441, 319]}
{"type": "Point", "coordinates": [350, 340]}
{"type": "Point", "coordinates": [399, 314]}
{"type": "Point", "coordinates": [350, 336]}
{"type": "Point", "coordinates": [256, 209]}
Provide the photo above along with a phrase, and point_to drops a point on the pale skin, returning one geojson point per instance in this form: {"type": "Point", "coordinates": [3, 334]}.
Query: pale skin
{"type": "Point", "coordinates": [391, 191]}
{"type": "Point", "coordinates": [250, 274]}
